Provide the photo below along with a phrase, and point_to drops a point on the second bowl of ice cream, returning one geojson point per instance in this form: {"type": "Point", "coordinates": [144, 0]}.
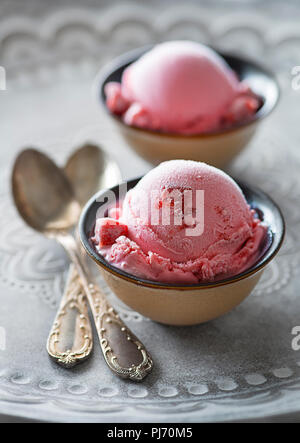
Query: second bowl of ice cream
{"type": "Point", "coordinates": [184, 100]}
{"type": "Point", "coordinates": [185, 244]}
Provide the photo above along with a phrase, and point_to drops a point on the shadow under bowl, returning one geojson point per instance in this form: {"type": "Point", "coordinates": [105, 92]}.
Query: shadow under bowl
{"type": "Point", "coordinates": [175, 304]}
{"type": "Point", "coordinates": [215, 148]}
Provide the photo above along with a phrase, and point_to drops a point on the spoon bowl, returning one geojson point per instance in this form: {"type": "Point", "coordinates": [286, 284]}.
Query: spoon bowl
{"type": "Point", "coordinates": [89, 169]}
{"type": "Point", "coordinates": [43, 195]}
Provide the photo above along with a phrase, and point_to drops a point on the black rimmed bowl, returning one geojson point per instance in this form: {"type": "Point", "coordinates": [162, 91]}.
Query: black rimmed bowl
{"type": "Point", "coordinates": [175, 304]}
{"type": "Point", "coordinates": [215, 148]}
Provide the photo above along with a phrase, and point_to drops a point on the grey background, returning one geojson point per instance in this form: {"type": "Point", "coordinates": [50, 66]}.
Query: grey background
{"type": "Point", "coordinates": [279, 162]}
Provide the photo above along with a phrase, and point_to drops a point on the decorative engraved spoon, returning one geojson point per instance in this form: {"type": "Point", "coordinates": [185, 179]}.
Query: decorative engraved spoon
{"type": "Point", "coordinates": [46, 201]}
{"type": "Point", "coordinates": [89, 169]}
{"type": "Point", "coordinates": [71, 339]}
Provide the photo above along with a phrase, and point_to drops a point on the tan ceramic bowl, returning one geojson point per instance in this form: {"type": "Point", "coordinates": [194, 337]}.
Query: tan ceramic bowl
{"type": "Point", "coordinates": [186, 304]}
{"type": "Point", "coordinates": [217, 148]}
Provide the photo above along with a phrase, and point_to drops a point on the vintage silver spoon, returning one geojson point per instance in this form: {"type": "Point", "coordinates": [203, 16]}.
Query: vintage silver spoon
{"type": "Point", "coordinates": [90, 169]}
{"type": "Point", "coordinates": [71, 339]}
{"type": "Point", "coordinates": [46, 201]}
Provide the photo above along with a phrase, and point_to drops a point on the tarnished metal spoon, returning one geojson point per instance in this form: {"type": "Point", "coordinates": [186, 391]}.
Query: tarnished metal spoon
{"type": "Point", "coordinates": [71, 340]}
{"type": "Point", "coordinates": [90, 169]}
{"type": "Point", "coordinates": [45, 199]}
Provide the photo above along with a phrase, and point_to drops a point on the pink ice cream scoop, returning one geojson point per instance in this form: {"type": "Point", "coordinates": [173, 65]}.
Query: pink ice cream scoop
{"type": "Point", "coordinates": [181, 87]}
{"type": "Point", "coordinates": [184, 222]}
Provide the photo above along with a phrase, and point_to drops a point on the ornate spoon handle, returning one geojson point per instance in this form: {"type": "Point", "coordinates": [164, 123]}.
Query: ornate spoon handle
{"type": "Point", "coordinates": [123, 352]}
{"type": "Point", "coordinates": [71, 340]}
{"type": "Point", "coordinates": [125, 355]}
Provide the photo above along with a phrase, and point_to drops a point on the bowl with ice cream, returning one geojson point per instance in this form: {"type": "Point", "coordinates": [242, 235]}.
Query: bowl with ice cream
{"type": "Point", "coordinates": [181, 99]}
{"type": "Point", "coordinates": [184, 244]}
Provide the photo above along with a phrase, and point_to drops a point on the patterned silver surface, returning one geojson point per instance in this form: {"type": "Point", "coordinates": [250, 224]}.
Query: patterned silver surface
{"type": "Point", "coordinates": [240, 366]}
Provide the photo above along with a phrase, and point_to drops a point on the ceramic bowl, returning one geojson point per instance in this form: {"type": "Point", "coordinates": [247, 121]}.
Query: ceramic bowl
{"type": "Point", "coordinates": [175, 304]}
{"type": "Point", "coordinates": [215, 148]}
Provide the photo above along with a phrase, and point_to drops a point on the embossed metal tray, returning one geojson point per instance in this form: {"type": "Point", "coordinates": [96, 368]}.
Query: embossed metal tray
{"type": "Point", "coordinates": [241, 366]}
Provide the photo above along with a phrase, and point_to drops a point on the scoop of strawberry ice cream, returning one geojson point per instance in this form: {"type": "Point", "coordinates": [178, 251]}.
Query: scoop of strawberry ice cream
{"type": "Point", "coordinates": [186, 222]}
{"type": "Point", "coordinates": [181, 87]}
